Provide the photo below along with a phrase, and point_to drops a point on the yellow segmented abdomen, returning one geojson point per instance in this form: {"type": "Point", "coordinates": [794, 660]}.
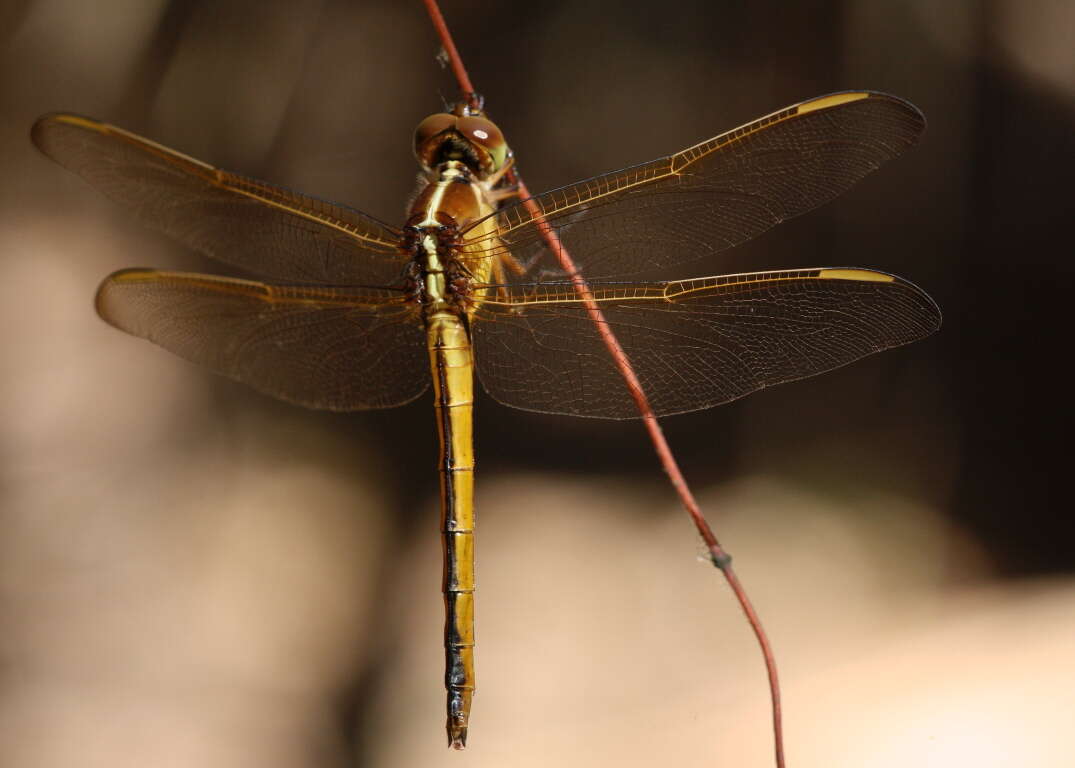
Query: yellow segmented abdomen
{"type": "Point", "coordinates": [453, 387]}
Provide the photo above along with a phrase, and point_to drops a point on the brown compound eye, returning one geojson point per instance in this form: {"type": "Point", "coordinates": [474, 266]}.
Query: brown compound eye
{"type": "Point", "coordinates": [425, 135]}
{"type": "Point", "coordinates": [487, 139]}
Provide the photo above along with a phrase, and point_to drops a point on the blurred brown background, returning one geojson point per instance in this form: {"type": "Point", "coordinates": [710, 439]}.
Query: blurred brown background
{"type": "Point", "coordinates": [194, 575]}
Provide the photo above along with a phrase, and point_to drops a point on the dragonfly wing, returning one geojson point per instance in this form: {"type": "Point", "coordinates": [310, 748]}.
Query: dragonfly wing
{"type": "Point", "coordinates": [340, 349]}
{"type": "Point", "coordinates": [248, 224]}
{"type": "Point", "coordinates": [692, 343]}
{"type": "Point", "coordinates": [711, 196]}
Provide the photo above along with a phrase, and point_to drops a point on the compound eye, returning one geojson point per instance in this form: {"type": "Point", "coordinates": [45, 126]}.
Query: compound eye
{"type": "Point", "coordinates": [484, 134]}
{"type": "Point", "coordinates": [427, 130]}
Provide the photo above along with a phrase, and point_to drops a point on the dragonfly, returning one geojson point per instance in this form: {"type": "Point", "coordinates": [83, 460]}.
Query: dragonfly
{"type": "Point", "coordinates": [351, 313]}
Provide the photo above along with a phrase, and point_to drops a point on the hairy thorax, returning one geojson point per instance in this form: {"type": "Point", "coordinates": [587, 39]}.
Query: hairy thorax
{"type": "Point", "coordinates": [442, 268]}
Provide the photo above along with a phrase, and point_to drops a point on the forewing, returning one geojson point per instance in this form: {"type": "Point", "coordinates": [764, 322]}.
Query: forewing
{"type": "Point", "coordinates": [339, 349]}
{"type": "Point", "coordinates": [692, 343]}
{"type": "Point", "coordinates": [248, 224]}
{"type": "Point", "coordinates": [711, 196]}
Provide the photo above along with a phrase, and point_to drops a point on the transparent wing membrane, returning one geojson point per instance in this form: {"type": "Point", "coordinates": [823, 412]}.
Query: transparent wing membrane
{"type": "Point", "coordinates": [248, 224]}
{"type": "Point", "coordinates": [315, 338]}
{"type": "Point", "coordinates": [693, 343]}
{"type": "Point", "coordinates": [714, 195]}
{"type": "Point", "coordinates": [340, 349]}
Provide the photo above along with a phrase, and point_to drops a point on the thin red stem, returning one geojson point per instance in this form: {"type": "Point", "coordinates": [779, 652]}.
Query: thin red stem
{"type": "Point", "coordinates": [717, 555]}
{"type": "Point", "coordinates": [454, 59]}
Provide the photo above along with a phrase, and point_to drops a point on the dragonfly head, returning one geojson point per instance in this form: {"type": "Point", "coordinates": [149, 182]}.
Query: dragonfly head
{"type": "Point", "coordinates": [464, 135]}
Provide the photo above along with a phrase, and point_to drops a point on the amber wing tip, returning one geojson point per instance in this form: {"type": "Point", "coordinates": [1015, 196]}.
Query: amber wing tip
{"type": "Point", "coordinates": [39, 131]}
{"type": "Point", "coordinates": [910, 114]}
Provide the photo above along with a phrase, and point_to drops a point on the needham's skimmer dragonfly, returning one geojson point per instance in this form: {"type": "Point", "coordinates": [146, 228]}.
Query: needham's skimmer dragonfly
{"type": "Point", "coordinates": [356, 314]}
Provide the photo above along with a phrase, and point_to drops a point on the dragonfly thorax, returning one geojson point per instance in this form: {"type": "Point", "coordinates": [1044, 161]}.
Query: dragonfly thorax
{"type": "Point", "coordinates": [436, 278]}
{"type": "Point", "coordinates": [447, 211]}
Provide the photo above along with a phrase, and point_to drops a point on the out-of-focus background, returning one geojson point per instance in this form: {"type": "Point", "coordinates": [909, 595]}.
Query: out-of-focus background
{"type": "Point", "coordinates": [194, 575]}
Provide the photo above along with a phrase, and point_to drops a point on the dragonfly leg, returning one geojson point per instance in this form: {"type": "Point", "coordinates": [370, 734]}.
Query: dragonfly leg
{"type": "Point", "coordinates": [524, 267]}
{"type": "Point", "coordinates": [495, 178]}
{"type": "Point", "coordinates": [504, 193]}
{"type": "Point", "coordinates": [500, 278]}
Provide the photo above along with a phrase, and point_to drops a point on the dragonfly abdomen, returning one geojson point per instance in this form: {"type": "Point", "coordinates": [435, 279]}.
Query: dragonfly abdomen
{"type": "Point", "coordinates": [451, 363]}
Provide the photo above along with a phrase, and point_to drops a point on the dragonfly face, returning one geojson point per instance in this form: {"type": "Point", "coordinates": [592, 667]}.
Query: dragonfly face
{"type": "Point", "coordinates": [357, 314]}
{"type": "Point", "coordinates": [462, 135]}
